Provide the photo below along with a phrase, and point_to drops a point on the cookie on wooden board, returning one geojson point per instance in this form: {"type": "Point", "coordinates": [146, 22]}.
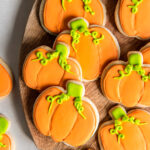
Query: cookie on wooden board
{"type": "Point", "coordinates": [128, 82]}
{"type": "Point", "coordinates": [132, 18]}
{"type": "Point", "coordinates": [44, 67]}
{"type": "Point", "coordinates": [66, 115]}
{"type": "Point", "coordinates": [93, 46]}
{"type": "Point", "coordinates": [128, 131]}
{"type": "Point", "coordinates": [55, 14]}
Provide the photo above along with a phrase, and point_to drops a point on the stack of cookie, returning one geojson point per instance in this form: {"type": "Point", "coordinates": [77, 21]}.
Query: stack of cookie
{"type": "Point", "coordinates": [83, 51]}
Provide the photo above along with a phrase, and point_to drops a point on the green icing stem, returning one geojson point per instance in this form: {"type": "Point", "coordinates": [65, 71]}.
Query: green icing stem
{"type": "Point", "coordinates": [120, 116]}
{"type": "Point", "coordinates": [73, 90]}
{"type": "Point", "coordinates": [61, 52]}
{"type": "Point", "coordinates": [134, 8]}
{"type": "Point", "coordinates": [87, 7]}
{"type": "Point", "coordinates": [134, 64]}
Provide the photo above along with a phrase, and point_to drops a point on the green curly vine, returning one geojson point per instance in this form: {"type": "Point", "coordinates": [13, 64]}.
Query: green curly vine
{"type": "Point", "coordinates": [134, 8]}
{"type": "Point", "coordinates": [61, 52]}
{"type": "Point", "coordinates": [118, 126]}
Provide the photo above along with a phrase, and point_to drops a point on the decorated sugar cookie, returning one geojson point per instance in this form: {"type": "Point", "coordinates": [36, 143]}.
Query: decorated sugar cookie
{"type": "Point", "coordinates": [132, 18]}
{"type": "Point", "coordinates": [126, 131]}
{"type": "Point", "coordinates": [66, 115]}
{"type": "Point", "coordinates": [44, 67]}
{"type": "Point", "coordinates": [55, 14]}
{"type": "Point", "coordinates": [6, 142]}
{"type": "Point", "coordinates": [6, 79]}
{"type": "Point", "coordinates": [127, 82]}
{"type": "Point", "coordinates": [93, 46]}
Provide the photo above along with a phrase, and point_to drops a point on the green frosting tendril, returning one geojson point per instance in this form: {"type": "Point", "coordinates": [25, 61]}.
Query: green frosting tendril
{"type": "Point", "coordinates": [61, 52]}
{"type": "Point", "coordinates": [73, 90]}
{"type": "Point", "coordinates": [3, 128]}
{"type": "Point", "coordinates": [119, 112]}
{"type": "Point", "coordinates": [63, 3]}
{"type": "Point", "coordinates": [134, 8]}
{"type": "Point", "coordinates": [87, 7]}
{"type": "Point", "coordinates": [80, 26]}
{"type": "Point", "coordinates": [134, 64]}
{"type": "Point", "coordinates": [2, 145]}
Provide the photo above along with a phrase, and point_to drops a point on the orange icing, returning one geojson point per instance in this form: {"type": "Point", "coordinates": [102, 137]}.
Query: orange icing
{"type": "Point", "coordinates": [135, 24]}
{"type": "Point", "coordinates": [63, 123]}
{"type": "Point", "coordinates": [136, 137]}
{"type": "Point", "coordinates": [39, 77]}
{"type": "Point", "coordinates": [146, 55]}
{"type": "Point", "coordinates": [5, 82]}
{"type": "Point", "coordinates": [6, 141]}
{"type": "Point", "coordinates": [92, 58]}
{"type": "Point", "coordinates": [130, 90]}
{"type": "Point", "coordinates": [55, 20]}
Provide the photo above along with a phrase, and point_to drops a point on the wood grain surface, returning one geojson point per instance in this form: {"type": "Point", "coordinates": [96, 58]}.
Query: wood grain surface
{"type": "Point", "coordinates": [35, 36]}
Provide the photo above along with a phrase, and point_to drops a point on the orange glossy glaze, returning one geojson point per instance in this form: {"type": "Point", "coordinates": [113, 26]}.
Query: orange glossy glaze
{"type": "Point", "coordinates": [63, 123]}
{"type": "Point", "coordinates": [5, 82]}
{"type": "Point", "coordinates": [130, 90]}
{"type": "Point", "coordinates": [135, 24]}
{"type": "Point", "coordinates": [37, 76]}
{"type": "Point", "coordinates": [92, 58]}
{"type": "Point", "coordinates": [6, 140]}
{"type": "Point", "coordinates": [55, 20]}
{"type": "Point", "coordinates": [136, 137]}
{"type": "Point", "coordinates": [146, 55]}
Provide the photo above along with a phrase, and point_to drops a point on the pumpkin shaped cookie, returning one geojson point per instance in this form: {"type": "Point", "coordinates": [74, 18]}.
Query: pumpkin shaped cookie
{"type": "Point", "coordinates": [6, 142]}
{"type": "Point", "coordinates": [66, 116]}
{"type": "Point", "coordinates": [127, 82]}
{"type": "Point", "coordinates": [127, 131]}
{"type": "Point", "coordinates": [132, 18]}
{"type": "Point", "coordinates": [44, 67]}
{"type": "Point", "coordinates": [93, 46]}
{"type": "Point", "coordinates": [55, 14]}
{"type": "Point", "coordinates": [6, 79]}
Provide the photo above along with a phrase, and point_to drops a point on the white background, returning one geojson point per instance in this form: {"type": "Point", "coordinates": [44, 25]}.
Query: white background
{"type": "Point", "coordinates": [13, 18]}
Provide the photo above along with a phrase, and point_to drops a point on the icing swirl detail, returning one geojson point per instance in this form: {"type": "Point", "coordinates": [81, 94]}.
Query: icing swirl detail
{"type": "Point", "coordinates": [135, 66]}
{"type": "Point", "coordinates": [73, 90]}
{"type": "Point", "coordinates": [134, 8]}
{"type": "Point", "coordinates": [118, 126]}
{"type": "Point", "coordinates": [86, 3]}
{"type": "Point", "coordinates": [79, 27]}
{"type": "Point", "coordinates": [61, 52]}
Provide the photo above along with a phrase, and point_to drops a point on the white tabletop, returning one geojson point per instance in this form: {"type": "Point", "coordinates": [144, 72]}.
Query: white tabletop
{"type": "Point", "coordinates": [13, 18]}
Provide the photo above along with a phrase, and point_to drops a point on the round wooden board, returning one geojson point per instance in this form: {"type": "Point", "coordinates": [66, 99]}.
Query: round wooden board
{"type": "Point", "coordinates": [35, 36]}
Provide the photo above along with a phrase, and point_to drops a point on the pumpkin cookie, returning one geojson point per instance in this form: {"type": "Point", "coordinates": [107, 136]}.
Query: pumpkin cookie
{"type": "Point", "coordinates": [66, 115]}
{"type": "Point", "coordinates": [55, 14]}
{"type": "Point", "coordinates": [6, 142]}
{"type": "Point", "coordinates": [132, 18]}
{"type": "Point", "coordinates": [126, 131]}
{"type": "Point", "coordinates": [45, 67]}
{"type": "Point", "coordinates": [127, 82]}
{"type": "Point", "coordinates": [93, 46]}
{"type": "Point", "coordinates": [6, 79]}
